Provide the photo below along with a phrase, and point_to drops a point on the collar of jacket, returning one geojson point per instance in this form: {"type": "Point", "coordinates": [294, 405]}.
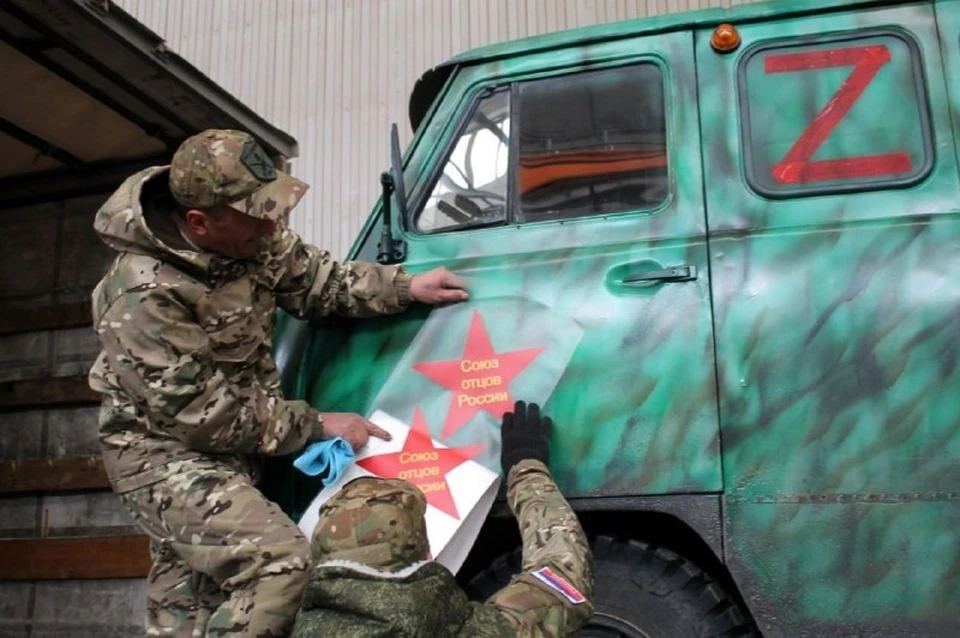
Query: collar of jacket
{"type": "Point", "coordinates": [373, 571]}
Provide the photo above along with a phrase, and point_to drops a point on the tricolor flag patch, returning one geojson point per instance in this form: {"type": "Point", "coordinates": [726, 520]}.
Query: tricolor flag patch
{"type": "Point", "coordinates": [554, 581]}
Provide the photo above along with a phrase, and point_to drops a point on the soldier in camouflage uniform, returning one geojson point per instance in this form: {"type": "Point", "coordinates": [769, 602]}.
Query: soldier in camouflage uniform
{"type": "Point", "coordinates": [191, 397]}
{"type": "Point", "coordinates": [374, 579]}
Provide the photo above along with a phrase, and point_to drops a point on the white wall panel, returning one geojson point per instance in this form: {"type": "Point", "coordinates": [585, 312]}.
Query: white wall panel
{"type": "Point", "coordinates": [335, 73]}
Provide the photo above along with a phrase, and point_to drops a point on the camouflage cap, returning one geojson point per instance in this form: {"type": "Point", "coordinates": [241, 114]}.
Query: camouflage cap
{"type": "Point", "coordinates": [373, 521]}
{"type": "Point", "coordinates": [220, 167]}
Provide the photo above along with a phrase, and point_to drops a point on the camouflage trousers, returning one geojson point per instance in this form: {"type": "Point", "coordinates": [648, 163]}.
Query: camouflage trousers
{"type": "Point", "coordinates": [554, 545]}
{"type": "Point", "coordinates": [226, 561]}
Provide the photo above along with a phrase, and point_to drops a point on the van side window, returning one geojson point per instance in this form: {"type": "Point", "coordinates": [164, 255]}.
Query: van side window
{"type": "Point", "coordinates": [472, 190]}
{"type": "Point", "coordinates": [592, 144]}
{"type": "Point", "coordinates": [834, 115]}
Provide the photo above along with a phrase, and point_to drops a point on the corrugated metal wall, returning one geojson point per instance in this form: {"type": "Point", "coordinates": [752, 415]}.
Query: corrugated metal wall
{"type": "Point", "coordinates": [335, 73]}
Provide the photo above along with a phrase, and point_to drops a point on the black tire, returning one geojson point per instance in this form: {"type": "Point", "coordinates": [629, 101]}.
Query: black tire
{"type": "Point", "coordinates": [641, 591]}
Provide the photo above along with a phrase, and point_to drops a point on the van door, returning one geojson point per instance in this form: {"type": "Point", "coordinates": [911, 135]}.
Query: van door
{"type": "Point", "coordinates": [566, 186]}
{"type": "Point", "coordinates": [832, 200]}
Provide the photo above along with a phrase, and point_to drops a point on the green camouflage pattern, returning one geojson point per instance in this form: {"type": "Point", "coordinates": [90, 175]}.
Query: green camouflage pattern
{"type": "Point", "coordinates": [657, 429]}
{"type": "Point", "coordinates": [346, 599]}
{"type": "Point", "coordinates": [835, 319]}
{"type": "Point", "coordinates": [808, 375]}
{"type": "Point", "coordinates": [226, 561]}
{"type": "Point", "coordinates": [408, 596]}
{"type": "Point", "coordinates": [186, 367]}
{"type": "Point", "coordinates": [376, 522]}
{"type": "Point", "coordinates": [228, 168]}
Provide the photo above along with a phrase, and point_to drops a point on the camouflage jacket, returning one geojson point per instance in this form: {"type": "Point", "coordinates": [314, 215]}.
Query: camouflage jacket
{"type": "Point", "coordinates": [350, 600]}
{"type": "Point", "coordinates": [185, 369]}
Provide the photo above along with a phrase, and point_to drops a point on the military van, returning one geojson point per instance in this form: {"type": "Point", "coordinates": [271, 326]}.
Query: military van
{"type": "Point", "coordinates": [722, 248]}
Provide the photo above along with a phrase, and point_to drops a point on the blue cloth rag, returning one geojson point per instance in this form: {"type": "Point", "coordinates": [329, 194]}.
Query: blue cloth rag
{"type": "Point", "coordinates": [332, 456]}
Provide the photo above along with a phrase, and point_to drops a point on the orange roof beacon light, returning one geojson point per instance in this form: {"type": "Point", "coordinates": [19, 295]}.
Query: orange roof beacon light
{"type": "Point", "coordinates": [725, 38]}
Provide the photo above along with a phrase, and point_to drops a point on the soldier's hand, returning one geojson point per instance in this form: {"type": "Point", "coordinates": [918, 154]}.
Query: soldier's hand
{"type": "Point", "coordinates": [438, 286]}
{"type": "Point", "coordinates": [524, 434]}
{"type": "Point", "coordinates": [353, 428]}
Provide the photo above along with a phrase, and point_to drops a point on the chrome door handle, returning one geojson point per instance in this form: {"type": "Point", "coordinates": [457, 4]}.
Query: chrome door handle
{"type": "Point", "coordinates": [666, 275]}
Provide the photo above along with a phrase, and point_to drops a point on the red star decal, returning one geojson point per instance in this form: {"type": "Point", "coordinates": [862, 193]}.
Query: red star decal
{"type": "Point", "coordinates": [480, 380]}
{"type": "Point", "coordinates": [422, 464]}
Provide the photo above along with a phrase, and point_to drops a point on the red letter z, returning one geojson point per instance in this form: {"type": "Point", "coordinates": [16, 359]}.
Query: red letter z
{"type": "Point", "coordinates": [796, 167]}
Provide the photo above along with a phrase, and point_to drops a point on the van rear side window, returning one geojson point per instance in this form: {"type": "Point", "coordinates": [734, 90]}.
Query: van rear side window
{"type": "Point", "coordinates": [834, 115]}
{"type": "Point", "coordinates": [583, 144]}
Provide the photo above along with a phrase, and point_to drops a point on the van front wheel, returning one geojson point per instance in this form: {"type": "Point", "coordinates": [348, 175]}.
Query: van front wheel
{"type": "Point", "coordinates": [642, 591]}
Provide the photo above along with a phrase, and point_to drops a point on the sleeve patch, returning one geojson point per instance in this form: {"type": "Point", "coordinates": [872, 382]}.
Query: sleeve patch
{"type": "Point", "coordinates": [554, 581]}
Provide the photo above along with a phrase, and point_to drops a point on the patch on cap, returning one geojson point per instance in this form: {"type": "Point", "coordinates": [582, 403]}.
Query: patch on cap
{"type": "Point", "coordinates": [558, 583]}
{"type": "Point", "coordinates": [256, 161]}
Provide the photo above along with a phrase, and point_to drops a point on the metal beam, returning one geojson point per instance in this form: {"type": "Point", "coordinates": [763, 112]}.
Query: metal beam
{"type": "Point", "coordinates": [39, 144]}
{"type": "Point", "coordinates": [165, 126]}
{"type": "Point", "coordinates": [90, 179]}
{"type": "Point", "coordinates": [109, 39]}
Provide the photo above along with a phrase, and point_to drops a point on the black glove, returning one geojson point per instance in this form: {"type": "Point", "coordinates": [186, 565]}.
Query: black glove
{"type": "Point", "coordinates": [524, 435]}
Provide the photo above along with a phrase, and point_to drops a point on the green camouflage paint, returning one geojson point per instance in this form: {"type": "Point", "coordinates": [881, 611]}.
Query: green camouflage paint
{"type": "Point", "coordinates": [807, 374]}
{"type": "Point", "coordinates": [836, 340]}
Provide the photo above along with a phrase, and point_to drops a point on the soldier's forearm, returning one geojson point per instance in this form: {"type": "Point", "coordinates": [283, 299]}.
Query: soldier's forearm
{"type": "Point", "coordinates": [314, 285]}
{"type": "Point", "coordinates": [291, 426]}
{"type": "Point", "coordinates": [552, 535]}
{"type": "Point", "coordinates": [371, 289]}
